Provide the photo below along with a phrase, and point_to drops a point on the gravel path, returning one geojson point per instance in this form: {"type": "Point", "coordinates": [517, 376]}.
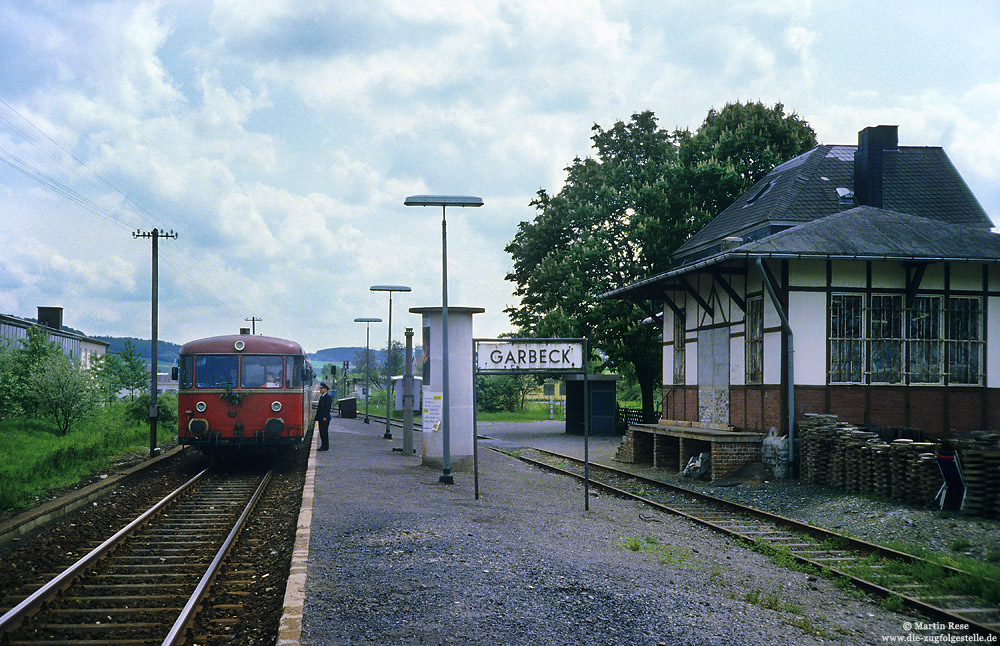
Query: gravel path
{"type": "Point", "coordinates": [396, 558]}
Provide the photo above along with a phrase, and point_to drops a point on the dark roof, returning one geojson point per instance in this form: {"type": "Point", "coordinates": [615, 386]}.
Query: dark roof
{"type": "Point", "coordinates": [860, 233]}
{"type": "Point", "coordinates": [250, 344]}
{"type": "Point", "coordinates": [916, 180]}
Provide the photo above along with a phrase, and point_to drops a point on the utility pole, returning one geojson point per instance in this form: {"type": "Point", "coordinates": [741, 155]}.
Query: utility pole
{"type": "Point", "coordinates": [253, 323]}
{"type": "Point", "coordinates": [154, 411]}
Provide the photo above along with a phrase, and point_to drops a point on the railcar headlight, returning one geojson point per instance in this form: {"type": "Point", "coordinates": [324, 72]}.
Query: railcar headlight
{"type": "Point", "coordinates": [201, 407]}
{"type": "Point", "coordinates": [276, 406]}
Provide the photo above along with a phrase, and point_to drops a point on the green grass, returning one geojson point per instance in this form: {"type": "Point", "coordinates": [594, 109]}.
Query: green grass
{"type": "Point", "coordinates": [36, 461]}
{"type": "Point", "coordinates": [664, 554]}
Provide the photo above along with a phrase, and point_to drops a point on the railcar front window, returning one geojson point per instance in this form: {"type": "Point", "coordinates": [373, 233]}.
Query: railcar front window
{"type": "Point", "coordinates": [216, 371]}
{"type": "Point", "coordinates": [262, 371]}
{"type": "Point", "coordinates": [293, 377]}
{"type": "Point", "coordinates": [186, 376]}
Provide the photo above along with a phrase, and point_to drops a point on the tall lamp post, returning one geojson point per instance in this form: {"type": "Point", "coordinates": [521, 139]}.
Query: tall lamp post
{"type": "Point", "coordinates": [368, 329]}
{"type": "Point", "coordinates": [444, 201]}
{"type": "Point", "coordinates": [388, 347]}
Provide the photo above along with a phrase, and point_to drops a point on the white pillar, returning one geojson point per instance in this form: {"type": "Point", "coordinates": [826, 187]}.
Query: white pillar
{"type": "Point", "coordinates": [459, 387]}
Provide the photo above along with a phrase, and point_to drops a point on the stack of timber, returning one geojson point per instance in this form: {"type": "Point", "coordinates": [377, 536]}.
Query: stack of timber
{"type": "Point", "coordinates": [979, 456]}
{"type": "Point", "coordinates": [840, 455]}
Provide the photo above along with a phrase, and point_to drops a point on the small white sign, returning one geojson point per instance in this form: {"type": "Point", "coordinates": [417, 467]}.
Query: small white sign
{"type": "Point", "coordinates": [529, 356]}
{"type": "Point", "coordinates": [433, 405]}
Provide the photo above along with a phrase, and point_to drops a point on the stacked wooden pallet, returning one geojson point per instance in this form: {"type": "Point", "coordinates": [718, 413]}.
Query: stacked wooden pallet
{"type": "Point", "coordinates": [980, 460]}
{"type": "Point", "coordinates": [816, 436]}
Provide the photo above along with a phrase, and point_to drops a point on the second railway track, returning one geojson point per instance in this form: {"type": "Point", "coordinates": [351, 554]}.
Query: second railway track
{"type": "Point", "coordinates": [144, 584]}
{"type": "Point", "coordinates": [873, 568]}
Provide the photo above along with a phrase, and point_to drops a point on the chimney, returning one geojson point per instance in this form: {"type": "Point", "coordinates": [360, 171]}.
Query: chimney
{"type": "Point", "coordinates": [50, 317]}
{"type": "Point", "coordinates": [872, 143]}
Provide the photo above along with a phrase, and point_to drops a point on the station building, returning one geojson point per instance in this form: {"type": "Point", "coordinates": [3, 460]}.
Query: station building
{"type": "Point", "coordinates": [75, 346]}
{"type": "Point", "coordinates": [860, 281]}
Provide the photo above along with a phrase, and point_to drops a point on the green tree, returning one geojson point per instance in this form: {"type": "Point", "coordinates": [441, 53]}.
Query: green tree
{"type": "Point", "coordinates": [132, 370]}
{"type": "Point", "coordinates": [65, 392]}
{"type": "Point", "coordinates": [35, 350]}
{"type": "Point", "coordinates": [10, 387]}
{"type": "Point", "coordinates": [620, 215]}
{"type": "Point", "coordinates": [107, 370]}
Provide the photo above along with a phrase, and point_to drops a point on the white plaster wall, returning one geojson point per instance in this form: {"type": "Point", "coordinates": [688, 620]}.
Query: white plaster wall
{"type": "Point", "coordinates": [849, 273]}
{"type": "Point", "coordinates": [888, 275]}
{"type": "Point", "coordinates": [993, 342]}
{"type": "Point", "coordinates": [772, 357]}
{"type": "Point", "coordinates": [807, 316]}
{"type": "Point", "coordinates": [934, 277]}
{"type": "Point", "coordinates": [966, 276]}
{"type": "Point", "coordinates": [668, 350]}
{"type": "Point", "coordinates": [737, 359]}
{"type": "Point", "coordinates": [808, 273]}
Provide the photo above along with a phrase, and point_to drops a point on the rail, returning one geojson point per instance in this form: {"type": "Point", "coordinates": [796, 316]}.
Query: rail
{"type": "Point", "coordinates": [787, 534]}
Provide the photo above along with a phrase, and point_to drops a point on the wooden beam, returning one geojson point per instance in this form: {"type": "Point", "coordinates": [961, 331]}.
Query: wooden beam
{"type": "Point", "coordinates": [697, 298]}
{"type": "Point", "coordinates": [726, 287]}
{"type": "Point", "coordinates": [673, 306]}
{"type": "Point", "coordinates": [913, 282]}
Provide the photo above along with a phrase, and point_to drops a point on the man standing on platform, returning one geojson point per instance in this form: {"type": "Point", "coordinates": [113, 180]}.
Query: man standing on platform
{"type": "Point", "coordinates": [323, 412]}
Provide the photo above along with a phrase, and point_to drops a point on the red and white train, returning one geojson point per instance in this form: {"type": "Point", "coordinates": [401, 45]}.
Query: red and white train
{"type": "Point", "coordinates": [243, 391]}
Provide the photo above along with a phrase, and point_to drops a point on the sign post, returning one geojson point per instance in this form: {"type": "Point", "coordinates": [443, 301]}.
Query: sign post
{"type": "Point", "coordinates": [532, 356]}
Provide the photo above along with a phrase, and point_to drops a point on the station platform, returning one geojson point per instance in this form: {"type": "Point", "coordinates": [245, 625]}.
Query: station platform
{"type": "Point", "coordinates": [386, 554]}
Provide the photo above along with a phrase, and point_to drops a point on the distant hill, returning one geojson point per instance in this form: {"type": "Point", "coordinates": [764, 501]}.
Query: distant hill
{"type": "Point", "coordinates": [336, 355]}
{"type": "Point", "coordinates": [166, 352]}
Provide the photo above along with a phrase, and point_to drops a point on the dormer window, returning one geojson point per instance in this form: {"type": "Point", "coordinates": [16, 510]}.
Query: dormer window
{"type": "Point", "coordinates": [756, 196]}
{"type": "Point", "coordinates": [845, 197]}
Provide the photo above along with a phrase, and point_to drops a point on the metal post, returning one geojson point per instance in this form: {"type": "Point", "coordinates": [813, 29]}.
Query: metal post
{"type": "Point", "coordinates": [368, 361]}
{"type": "Point", "coordinates": [388, 373]}
{"type": "Point", "coordinates": [408, 396]}
{"type": "Point", "coordinates": [154, 411]}
{"type": "Point", "coordinates": [586, 431]}
{"type": "Point", "coordinates": [446, 475]}
{"type": "Point", "coordinates": [475, 417]}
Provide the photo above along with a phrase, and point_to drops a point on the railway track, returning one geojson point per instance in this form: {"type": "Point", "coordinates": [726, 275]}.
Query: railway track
{"type": "Point", "coordinates": [873, 568]}
{"type": "Point", "coordinates": [145, 584]}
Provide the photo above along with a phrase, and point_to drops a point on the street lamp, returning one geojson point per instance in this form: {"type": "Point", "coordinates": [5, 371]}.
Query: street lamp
{"type": "Point", "coordinates": [388, 356]}
{"type": "Point", "coordinates": [368, 329]}
{"type": "Point", "coordinates": [444, 201]}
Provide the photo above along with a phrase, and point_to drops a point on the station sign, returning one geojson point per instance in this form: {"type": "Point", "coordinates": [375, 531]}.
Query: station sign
{"type": "Point", "coordinates": [499, 356]}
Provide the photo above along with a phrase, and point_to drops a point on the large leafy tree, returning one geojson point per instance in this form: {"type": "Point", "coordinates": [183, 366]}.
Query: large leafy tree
{"type": "Point", "coordinates": [621, 213]}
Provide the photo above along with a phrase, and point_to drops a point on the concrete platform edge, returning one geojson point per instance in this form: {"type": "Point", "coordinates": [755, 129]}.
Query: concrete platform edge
{"type": "Point", "coordinates": [290, 629]}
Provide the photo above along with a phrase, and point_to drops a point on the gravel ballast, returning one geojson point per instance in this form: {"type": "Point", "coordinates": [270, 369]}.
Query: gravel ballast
{"type": "Point", "coordinates": [397, 558]}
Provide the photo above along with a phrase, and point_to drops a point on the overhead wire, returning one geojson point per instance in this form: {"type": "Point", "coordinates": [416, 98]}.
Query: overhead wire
{"type": "Point", "coordinates": [119, 218]}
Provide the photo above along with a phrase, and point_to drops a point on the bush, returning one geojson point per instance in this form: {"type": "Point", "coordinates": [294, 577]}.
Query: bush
{"type": "Point", "coordinates": [137, 410]}
{"type": "Point", "coordinates": [64, 392]}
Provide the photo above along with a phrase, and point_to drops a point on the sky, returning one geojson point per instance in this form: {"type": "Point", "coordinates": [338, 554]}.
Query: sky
{"type": "Point", "coordinates": [279, 138]}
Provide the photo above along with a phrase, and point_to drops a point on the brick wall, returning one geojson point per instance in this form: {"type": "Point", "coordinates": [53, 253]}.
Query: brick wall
{"type": "Point", "coordinates": [728, 457]}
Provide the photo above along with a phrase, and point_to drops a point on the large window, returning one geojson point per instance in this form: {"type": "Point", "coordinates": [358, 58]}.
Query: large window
{"type": "Point", "coordinates": [755, 340]}
{"type": "Point", "coordinates": [965, 340]}
{"type": "Point", "coordinates": [215, 370]}
{"type": "Point", "coordinates": [924, 344]}
{"type": "Point", "coordinates": [876, 339]}
{"type": "Point", "coordinates": [886, 338]}
{"type": "Point", "coordinates": [260, 371]}
{"type": "Point", "coordinates": [846, 338]}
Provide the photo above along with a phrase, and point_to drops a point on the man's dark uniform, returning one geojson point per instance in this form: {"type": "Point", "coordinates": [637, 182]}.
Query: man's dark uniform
{"type": "Point", "coordinates": [323, 413]}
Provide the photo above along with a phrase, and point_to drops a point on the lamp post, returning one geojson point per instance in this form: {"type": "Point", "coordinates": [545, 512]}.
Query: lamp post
{"type": "Point", "coordinates": [388, 348]}
{"type": "Point", "coordinates": [368, 329]}
{"type": "Point", "coordinates": [444, 201]}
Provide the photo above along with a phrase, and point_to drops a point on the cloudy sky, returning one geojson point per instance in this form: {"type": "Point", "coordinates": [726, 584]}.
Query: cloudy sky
{"type": "Point", "coordinates": [280, 137]}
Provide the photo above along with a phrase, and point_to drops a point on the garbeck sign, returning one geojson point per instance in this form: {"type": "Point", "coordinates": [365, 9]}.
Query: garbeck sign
{"type": "Point", "coordinates": [518, 355]}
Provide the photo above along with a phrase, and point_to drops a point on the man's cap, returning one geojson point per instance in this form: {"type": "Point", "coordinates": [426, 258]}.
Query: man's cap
{"type": "Point", "coordinates": [322, 384]}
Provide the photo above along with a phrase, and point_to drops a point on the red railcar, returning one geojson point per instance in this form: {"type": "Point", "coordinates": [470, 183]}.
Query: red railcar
{"type": "Point", "coordinates": [243, 391]}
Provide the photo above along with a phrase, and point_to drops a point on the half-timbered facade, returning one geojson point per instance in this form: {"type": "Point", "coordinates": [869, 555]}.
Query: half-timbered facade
{"type": "Point", "coordinates": [861, 281]}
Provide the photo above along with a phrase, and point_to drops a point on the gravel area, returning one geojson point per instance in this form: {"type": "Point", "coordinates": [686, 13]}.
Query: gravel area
{"type": "Point", "coordinates": [397, 558]}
